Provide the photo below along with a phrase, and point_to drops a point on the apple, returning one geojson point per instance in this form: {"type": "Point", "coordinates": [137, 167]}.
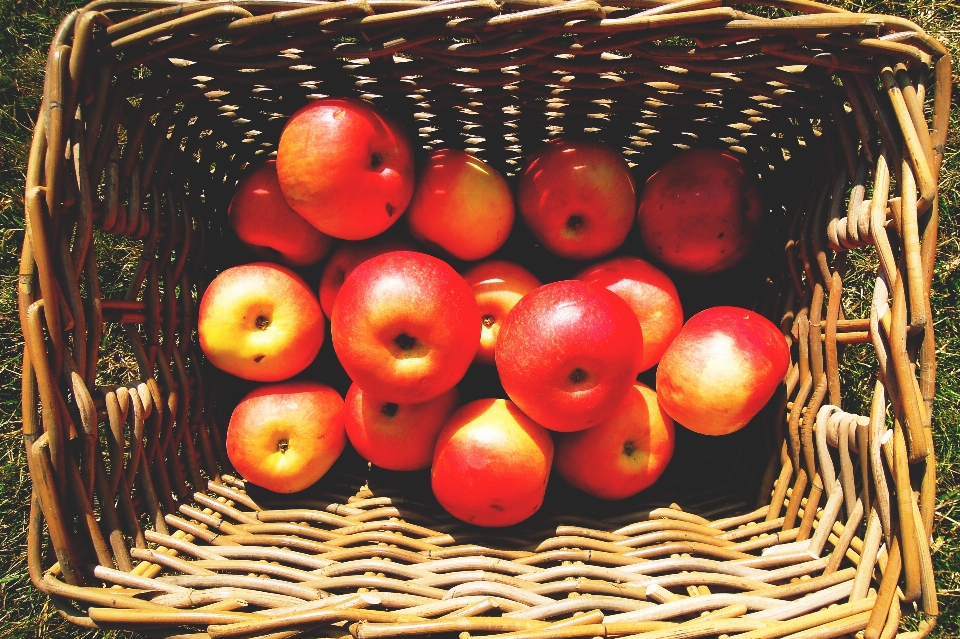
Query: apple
{"type": "Point", "coordinates": [578, 198]}
{"type": "Point", "coordinates": [701, 212]}
{"type": "Point", "coordinates": [347, 257]}
{"type": "Point", "coordinates": [461, 204]}
{"type": "Point", "coordinates": [285, 436]}
{"type": "Point", "coordinates": [721, 369]}
{"type": "Point", "coordinates": [497, 285]}
{"type": "Point", "coordinates": [346, 167]}
{"type": "Point", "coordinates": [405, 327]}
{"type": "Point", "coordinates": [396, 436]}
{"type": "Point", "coordinates": [260, 321]}
{"type": "Point", "coordinates": [568, 353]}
{"type": "Point", "coordinates": [623, 455]}
{"type": "Point", "coordinates": [491, 464]}
{"type": "Point", "coordinates": [267, 225]}
{"type": "Point", "coordinates": [650, 293]}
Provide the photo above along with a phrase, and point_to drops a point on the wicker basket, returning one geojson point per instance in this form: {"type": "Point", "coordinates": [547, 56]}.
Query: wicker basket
{"type": "Point", "coordinates": [151, 110]}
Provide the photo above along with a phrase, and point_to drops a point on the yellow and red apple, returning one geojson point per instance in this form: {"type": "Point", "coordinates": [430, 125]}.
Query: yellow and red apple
{"type": "Point", "coordinates": [491, 464]}
{"type": "Point", "coordinates": [721, 369]}
{"type": "Point", "coordinates": [346, 167]}
{"type": "Point", "coordinates": [286, 436]}
{"type": "Point", "coordinates": [568, 353]}
{"type": "Point", "coordinates": [497, 285]}
{"type": "Point", "coordinates": [261, 322]}
{"type": "Point", "coordinates": [405, 327]}
{"type": "Point", "coordinates": [623, 455]}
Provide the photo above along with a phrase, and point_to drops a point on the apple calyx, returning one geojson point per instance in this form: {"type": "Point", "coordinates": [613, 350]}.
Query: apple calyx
{"type": "Point", "coordinates": [262, 322]}
{"type": "Point", "coordinates": [283, 445]}
{"type": "Point", "coordinates": [489, 320]}
{"type": "Point", "coordinates": [629, 448]}
{"type": "Point", "coordinates": [404, 342]}
{"type": "Point", "coordinates": [578, 375]}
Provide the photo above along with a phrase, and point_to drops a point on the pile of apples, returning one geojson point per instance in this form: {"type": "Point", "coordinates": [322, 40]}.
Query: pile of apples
{"type": "Point", "coordinates": [406, 326]}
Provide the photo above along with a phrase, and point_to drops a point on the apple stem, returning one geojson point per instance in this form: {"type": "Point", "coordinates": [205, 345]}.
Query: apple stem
{"type": "Point", "coordinates": [389, 409]}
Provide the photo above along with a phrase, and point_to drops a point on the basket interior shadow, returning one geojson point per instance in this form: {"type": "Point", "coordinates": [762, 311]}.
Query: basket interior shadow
{"type": "Point", "coordinates": [153, 110]}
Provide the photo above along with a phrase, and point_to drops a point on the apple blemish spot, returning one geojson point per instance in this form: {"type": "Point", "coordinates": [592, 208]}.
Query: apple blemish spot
{"type": "Point", "coordinates": [258, 358]}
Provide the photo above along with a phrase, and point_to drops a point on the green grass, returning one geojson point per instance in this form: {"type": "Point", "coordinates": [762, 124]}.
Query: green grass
{"type": "Point", "coordinates": [26, 27]}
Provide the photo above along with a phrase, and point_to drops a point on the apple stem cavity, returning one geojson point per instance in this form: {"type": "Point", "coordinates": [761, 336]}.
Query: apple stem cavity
{"type": "Point", "coordinates": [404, 342]}
{"type": "Point", "coordinates": [390, 409]}
{"type": "Point", "coordinates": [578, 375]}
{"type": "Point", "coordinates": [489, 320]}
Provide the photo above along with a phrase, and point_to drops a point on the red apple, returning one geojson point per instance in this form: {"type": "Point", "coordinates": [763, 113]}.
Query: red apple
{"type": "Point", "coordinates": [498, 286]}
{"type": "Point", "coordinates": [347, 257]}
{"type": "Point", "coordinates": [721, 369]}
{"type": "Point", "coordinates": [397, 436]}
{"type": "Point", "coordinates": [701, 212]}
{"type": "Point", "coordinates": [260, 322]}
{"type": "Point", "coordinates": [623, 455]}
{"type": "Point", "coordinates": [264, 221]}
{"type": "Point", "coordinates": [651, 295]}
{"type": "Point", "coordinates": [491, 464]}
{"type": "Point", "coordinates": [285, 436]}
{"type": "Point", "coordinates": [578, 197]}
{"type": "Point", "coordinates": [568, 353]}
{"type": "Point", "coordinates": [461, 204]}
{"type": "Point", "coordinates": [345, 167]}
{"type": "Point", "coordinates": [405, 327]}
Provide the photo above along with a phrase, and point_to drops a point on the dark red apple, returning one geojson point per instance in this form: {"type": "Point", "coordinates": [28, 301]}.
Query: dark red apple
{"type": "Point", "coordinates": [568, 353]}
{"type": "Point", "coordinates": [701, 212]}
{"type": "Point", "coordinates": [721, 369]}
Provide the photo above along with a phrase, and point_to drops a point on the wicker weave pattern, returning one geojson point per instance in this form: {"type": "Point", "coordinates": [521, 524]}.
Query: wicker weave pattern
{"type": "Point", "coordinates": [152, 108]}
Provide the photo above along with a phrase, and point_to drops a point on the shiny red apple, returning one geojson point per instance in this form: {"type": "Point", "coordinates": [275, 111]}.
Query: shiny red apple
{"type": "Point", "coordinates": [405, 327]}
{"type": "Point", "coordinates": [568, 353]}
{"type": "Point", "coordinates": [578, 197]}
{"type": "Point", "coordinates": [650, 293]}
{"type": "Point", "coordinates": [397, 436]}
{"type": "Point", "coordinates": [491, 464]}
{"type": "Point", "coordinates": [263, 220]}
